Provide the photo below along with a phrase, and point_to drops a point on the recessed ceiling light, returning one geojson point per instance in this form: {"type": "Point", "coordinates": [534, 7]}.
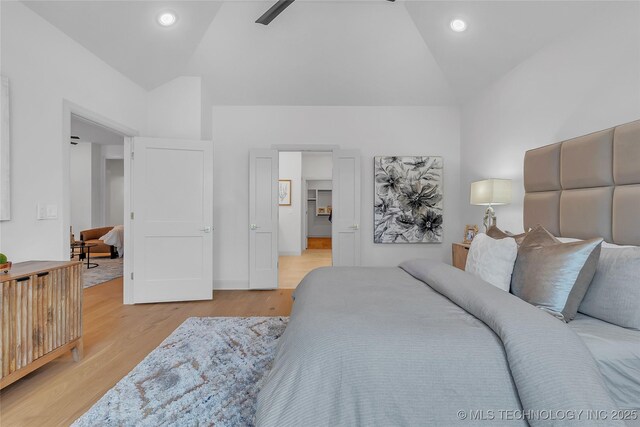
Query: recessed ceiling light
{"type": "Point", "coordinates": [167, 19]}
{"type": "Point", "coordinates": [458, 25]}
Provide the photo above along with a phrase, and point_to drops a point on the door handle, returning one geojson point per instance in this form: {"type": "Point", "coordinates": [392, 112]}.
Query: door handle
{"type": "Point", "coordinates": [253, 227]}
{"type": "Point", "coordinates": [206, 229]}
{"type": "Point", "coordinates": [355, 226]}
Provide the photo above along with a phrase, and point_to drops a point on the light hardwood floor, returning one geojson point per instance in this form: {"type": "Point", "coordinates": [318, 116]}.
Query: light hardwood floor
{"type": "Point", "coordinates": [319, 243]}
{"type": "Point", "coordinates": [116, 338]}
{"type": "Point", "coordinates": [293, 268]}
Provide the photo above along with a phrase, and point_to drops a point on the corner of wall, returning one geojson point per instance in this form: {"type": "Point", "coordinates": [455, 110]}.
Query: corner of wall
{"type": "Point", "coordinates": [174, 110]}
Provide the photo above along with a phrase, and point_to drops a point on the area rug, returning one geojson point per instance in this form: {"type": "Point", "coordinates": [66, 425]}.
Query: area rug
{"type": "Point", "coordinates": [107, 269]}
{"type": "Point", "coordinates": [207, 372]}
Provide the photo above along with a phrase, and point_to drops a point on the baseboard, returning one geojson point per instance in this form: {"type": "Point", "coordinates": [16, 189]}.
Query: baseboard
{"type": "Point", "coordinates": [290, 253]}
{"type": "Point", "coordinates": [230, 285]}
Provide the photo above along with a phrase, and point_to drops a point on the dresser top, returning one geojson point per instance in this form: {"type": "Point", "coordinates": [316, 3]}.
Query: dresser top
{"type": "Point", "coordinates": [29, 268]}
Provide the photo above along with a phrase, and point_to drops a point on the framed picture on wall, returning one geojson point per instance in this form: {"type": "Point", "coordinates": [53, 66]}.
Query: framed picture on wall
{"type": "Point", "coordinates": [408, 199]}
{"type": "Point", "coordinates": [284, 192]}
{"type": "Point", "coordinates": [470, 232]}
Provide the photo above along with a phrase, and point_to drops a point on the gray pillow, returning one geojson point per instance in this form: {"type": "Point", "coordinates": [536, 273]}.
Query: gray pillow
{"type": "Point", "coordinates": [554, 276]}
{"type": "Point", "coordinates": [614, 294]}
{"type": "Point", "coordinates": [495, 233]}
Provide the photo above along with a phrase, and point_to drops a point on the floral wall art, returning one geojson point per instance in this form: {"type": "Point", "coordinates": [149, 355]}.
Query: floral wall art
{"type": "Point", "coordinates": [408, 199]}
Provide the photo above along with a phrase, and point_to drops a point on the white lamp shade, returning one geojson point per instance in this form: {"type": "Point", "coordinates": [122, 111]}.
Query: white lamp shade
{"type": "Point", "coordinates": [491, 192]}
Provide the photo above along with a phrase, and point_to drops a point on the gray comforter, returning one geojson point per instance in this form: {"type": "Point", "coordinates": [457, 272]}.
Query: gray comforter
{"type": "Point", "coordinates": [425, 344]}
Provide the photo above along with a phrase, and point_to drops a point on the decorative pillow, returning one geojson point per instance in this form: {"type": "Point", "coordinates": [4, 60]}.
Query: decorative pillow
{"type": "Point", "coordinates": [614, 294]}
{"type": "Point", "coordinates": [492, 260]}
{"type": "Point", "coordinates": [605, 245]}
{"type": "Point", "coordinates": [495, 233]}
{"type": "Point", "coordinates": [539, 236]}
{"type": "Point", "coordinates": [554, 276]}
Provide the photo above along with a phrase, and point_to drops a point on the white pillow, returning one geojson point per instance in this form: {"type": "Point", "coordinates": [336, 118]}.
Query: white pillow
{"type": "Point", "coordinates": [492, 260]}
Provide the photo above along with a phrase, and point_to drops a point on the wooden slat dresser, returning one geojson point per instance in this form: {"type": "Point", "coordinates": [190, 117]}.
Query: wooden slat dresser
{"type": "Point", "coordinates": [41, 304]}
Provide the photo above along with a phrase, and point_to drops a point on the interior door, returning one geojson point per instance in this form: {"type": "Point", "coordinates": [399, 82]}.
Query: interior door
{"type": "Point", "coordinates": [172, 213]}
{"type": "Point", "coordinates": [263, 219]}
{"type": "Point", "coordinates": [305, 219]}
{"type": "Point", "coordinates": [346, 208]}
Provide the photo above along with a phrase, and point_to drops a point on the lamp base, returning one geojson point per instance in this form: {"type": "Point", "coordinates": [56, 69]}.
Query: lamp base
{"type": "Point", "coordinates": [490, 219]}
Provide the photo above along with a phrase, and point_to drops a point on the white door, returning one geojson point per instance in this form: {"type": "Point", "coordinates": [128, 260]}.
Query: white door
{"type": "Point", "coordinates": [172, 205]}
{"type": "Point", "coordinates": [305, 218]}
{"type": "Point", "coordinates": [345, 224]}
{"type": "Point", "coordinates": [263, 219]}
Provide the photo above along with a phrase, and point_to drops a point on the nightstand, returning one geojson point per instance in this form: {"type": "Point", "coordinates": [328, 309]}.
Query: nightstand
{"type": "Point", "coordinates": [459, 252]}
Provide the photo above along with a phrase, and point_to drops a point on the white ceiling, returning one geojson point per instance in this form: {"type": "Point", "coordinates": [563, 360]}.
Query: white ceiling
{"type": "Point", "coordinates": [363, 52]}
{"type": "Point", "coordinates": [319, 53]}
{"type": "Point", "coordinates": [500, 34]}
{"type": "Point", "coordinates": [127, 36]}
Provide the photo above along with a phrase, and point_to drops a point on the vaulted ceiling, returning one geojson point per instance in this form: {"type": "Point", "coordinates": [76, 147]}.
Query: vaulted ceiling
{"type": "Point", "coordinates": [127, 36]}
{"type": "Point", "coordinates": [324, 52]}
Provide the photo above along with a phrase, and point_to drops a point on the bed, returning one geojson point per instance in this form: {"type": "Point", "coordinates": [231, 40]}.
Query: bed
{"type": "Point", "coordinates": [617, 353]}
{"type": "Point", "coordinates": [427, 344]}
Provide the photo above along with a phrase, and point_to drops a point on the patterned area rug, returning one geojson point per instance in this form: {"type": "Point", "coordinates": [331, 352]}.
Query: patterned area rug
{"type": "Point", "coordinates": [107, 269]}
{"type": "Point", "coordinates": [207, 372]}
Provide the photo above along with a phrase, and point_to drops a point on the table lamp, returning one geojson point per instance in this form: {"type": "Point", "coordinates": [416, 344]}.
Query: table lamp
{"type": "Point", "coordinates": [491, 192]}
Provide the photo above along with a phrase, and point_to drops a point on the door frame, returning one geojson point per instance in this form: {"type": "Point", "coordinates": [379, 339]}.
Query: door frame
{"type": "Point", "coordinates": [305, 217]}
{"type": "Point", "coordinates": [70, 108]}
{"type": "Point", "coordinates": [314, 148]}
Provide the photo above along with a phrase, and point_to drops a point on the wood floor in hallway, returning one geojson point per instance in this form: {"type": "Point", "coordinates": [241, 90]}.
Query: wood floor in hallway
{"type": "Point", "coordinates": [293, 268]}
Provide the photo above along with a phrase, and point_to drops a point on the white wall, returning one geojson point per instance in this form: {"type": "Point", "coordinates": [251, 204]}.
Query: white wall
{"type": "Point", "coordinates": [97, 192]}
{"type": "Point", "coordinates": [584, 83]}
{"type": "Point", "coordinates": [112, 151]}
{"type": "Point", "coordinates": [317, 165]}
{"type": "Point", "coordinates": [112, 199]}
{"type": "Point", "coordinates": [114, 191]}
{"type": "Point", "coordinates": [373, 130]}
{"type": "Point", "coordinates": [45, 67]}
{"type": "Point", "coordinates": [290, 217]}
{"type": "Point", "coordinates": [80, 176]}
{"type": "Point", "coordinates": [175, 109]}
{"type": "Point", "coordinates": [97, 187]}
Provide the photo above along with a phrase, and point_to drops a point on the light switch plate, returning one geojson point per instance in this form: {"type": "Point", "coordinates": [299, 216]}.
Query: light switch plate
{"type": "Point", "coordinates": [47, 211]}
{"type": "Point", "coordinates": [52, 211]}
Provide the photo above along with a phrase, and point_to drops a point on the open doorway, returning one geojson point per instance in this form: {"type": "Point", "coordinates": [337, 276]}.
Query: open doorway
{"type": "Point", "coordinates": [96, 178]}
{"type": "Point", "coordinates": [304, 214]}
{"type": "Point", "coordinates": [265, 198]}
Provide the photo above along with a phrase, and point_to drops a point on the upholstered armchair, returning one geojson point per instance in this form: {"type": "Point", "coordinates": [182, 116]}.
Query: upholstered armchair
{"type": "Point", "coordinates": [93, 236]}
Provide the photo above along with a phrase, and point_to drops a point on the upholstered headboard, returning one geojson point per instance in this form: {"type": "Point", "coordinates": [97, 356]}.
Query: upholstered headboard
{"type": "Point", "coordinates": [587, 187]}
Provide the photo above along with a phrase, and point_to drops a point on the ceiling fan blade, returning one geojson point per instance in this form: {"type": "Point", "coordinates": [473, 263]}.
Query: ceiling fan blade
{"type": "Point", "coordinates": [274, 11]}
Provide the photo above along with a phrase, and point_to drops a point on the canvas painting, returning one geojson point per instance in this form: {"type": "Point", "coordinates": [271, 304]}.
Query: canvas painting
{"type": "Point", "coordinates": [408, 199]}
